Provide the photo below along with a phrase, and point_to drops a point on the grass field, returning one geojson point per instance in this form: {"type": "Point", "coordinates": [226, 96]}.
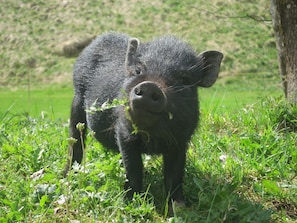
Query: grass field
{"type": "Point", "coordinates": [242, 161]}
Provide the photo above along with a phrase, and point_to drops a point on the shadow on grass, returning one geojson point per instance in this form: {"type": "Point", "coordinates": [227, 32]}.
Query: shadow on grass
{"type": "Point", "coordinates": [210, 199]}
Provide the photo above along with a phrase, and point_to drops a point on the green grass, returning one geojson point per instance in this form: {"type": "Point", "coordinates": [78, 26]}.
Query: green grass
{"type": "Point", "coordinates": [33, 32]}
{"type": "Point", "coordinates": [241, 167]}
{"type": "Point", "coordinates": [51, 101]}
{"type": "Point", "coordinates": [54, 100]}
{"type": "Point", "coordinates": [241, 164]}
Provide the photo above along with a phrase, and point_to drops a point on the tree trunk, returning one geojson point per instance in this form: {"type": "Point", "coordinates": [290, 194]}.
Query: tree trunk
{"type": "Point", "coordinates": [284, 17]}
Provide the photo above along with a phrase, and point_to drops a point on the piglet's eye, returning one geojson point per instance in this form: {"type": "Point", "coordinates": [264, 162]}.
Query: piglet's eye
{"type": "Point", "coordinates": [138, 71]}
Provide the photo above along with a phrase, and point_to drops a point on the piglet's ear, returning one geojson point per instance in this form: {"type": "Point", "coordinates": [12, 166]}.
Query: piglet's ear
{"type": "Point", "coordinates": [132, 63]}
{"type": "Point", "coordinates": [209, 63]}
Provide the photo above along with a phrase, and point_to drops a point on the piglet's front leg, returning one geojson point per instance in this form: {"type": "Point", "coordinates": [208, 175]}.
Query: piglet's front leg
{"type": "Point", "coordinates": [173, 175]}
{"type": "Point", "coordinates": [132, 160]}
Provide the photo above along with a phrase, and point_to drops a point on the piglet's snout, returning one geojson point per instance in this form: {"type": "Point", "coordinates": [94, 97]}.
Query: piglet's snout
{"type": "Point", "coordinates": [148, 96]}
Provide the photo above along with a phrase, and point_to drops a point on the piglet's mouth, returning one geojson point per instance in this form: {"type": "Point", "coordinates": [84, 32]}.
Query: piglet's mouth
{"type": "Point", "coordinates": [146, 113]}
{"type": "Point", "coordinates": [147, 119]}
{"type": "Point", "coordinates": [143, 113]}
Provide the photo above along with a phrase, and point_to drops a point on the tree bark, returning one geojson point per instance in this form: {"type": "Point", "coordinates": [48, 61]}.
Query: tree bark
{"type": "Point", "coordinates": [284, 17]}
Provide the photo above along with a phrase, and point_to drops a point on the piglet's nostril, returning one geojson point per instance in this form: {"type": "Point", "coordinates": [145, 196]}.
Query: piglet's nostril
{"type": "Point", "coordinates": [138, 91]}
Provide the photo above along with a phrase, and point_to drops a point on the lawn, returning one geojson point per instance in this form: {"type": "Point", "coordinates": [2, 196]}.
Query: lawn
{"type": "Point", "coordinates": [241, 164]}
{"type": "Point", "coordinates": [242, 160]}
{"type": "Point", "coordinates": [51, 101]}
